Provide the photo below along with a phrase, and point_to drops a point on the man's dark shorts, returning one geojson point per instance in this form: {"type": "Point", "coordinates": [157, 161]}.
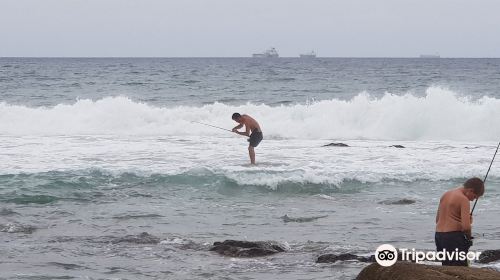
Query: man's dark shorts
{"type": "Point", "coordinates": [255, 138]}
{"type": "Point", "coordinates": [451, 241]}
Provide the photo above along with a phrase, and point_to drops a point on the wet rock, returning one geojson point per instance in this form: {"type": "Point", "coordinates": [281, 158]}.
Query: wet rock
{"type": "Point", "coordinates": [412, 271]}
{"type": "Point", "coordinates": [287, 219]}
{"type": "Point", "coordinates": [143, 238]}
{"type": "Point", "coordinates": [398, 146]}
{"type": "Point", "coordinates": [403, 201]}
{"type": "Point", "coordinates": [336, 145]}
{"type": "Point", "coordinates": [332, 258]}
{"type": "Point", "coordinates": [235, 248]}
{"type": "Point", "coordinates": [489, 256]}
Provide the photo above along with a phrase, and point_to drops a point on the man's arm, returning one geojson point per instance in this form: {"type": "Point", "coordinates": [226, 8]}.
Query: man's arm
{"type": "Point", "coordinates": [246, 133]}
{"type": "Point", "coordinates": [465, 217]}
{"type": "Point", "coordinates": [237, 127]}
{"type": "Point", "coordinates": [437, 213]}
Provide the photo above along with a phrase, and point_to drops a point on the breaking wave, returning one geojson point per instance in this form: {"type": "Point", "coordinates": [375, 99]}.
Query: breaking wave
{"type": "Point", "coordinates": [439, 115]}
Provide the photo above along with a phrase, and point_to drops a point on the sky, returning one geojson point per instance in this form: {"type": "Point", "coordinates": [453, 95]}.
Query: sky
{"type": "Point", "coordinates": [238, 28]}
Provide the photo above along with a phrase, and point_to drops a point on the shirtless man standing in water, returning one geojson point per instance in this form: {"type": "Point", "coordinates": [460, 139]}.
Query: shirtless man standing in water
{"type": "Point", "coordinates": [454, 221]}
{"type": "Point", "coordinates": [252, 129]}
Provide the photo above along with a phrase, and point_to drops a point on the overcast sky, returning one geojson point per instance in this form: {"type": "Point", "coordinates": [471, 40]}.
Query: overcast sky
{"type": "Point", "coordinates": [222, 28]}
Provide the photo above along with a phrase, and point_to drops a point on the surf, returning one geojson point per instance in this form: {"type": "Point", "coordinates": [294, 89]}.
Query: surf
{"type": "Point", "coordinates": [440, 114]}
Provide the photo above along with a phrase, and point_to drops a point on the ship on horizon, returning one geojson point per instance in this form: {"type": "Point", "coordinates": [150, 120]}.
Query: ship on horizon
{"type": "Point", "coordinates": [311, 54]}
{"type": "Point", "coordinates": [430, 56]}
{"type": "Point", "coordinates": [270, 53]}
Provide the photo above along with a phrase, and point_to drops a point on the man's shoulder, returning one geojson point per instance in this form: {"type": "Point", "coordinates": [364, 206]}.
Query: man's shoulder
{"type": "Point", "coordinates": [454, 194]}
{"type": "Point", "coordinates": [459, 196]}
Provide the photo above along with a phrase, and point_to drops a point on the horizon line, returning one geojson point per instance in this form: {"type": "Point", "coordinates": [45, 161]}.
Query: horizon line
{"type": "Point", "coordinates": [297, 57]}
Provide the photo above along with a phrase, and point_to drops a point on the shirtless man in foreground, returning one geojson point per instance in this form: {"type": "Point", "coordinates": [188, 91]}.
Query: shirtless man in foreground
{"type": "Point", "coordinates": [252, 129]}
{"type": "Point", "coordinates": [454, 221]}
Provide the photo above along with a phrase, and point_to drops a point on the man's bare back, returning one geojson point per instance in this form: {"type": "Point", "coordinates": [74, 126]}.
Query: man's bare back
{"type": "Point", "coordinates": [454, 220]}
{"type": "Point", "coordinates": [250, 123]}
{"type": "Point", "coordinates": [454, 212]}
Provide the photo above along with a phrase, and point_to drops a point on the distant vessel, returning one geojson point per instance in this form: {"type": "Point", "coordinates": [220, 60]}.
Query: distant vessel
{"type": "Point", "coordinates": [311, 54]}
{"type": "Point", "coordinates": [430, 56]}
{"type": "Point", "coordinates": [270, 53]}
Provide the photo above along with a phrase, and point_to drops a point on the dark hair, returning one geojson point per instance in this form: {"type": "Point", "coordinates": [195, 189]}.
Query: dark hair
{"type": "Point", "coordinates": [236, 116]}
{"type": "Point", "coordinates": [476, 184]}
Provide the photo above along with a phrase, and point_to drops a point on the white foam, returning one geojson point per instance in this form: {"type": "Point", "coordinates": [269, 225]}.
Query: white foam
{"type": "Point", "coordinates": [302, 163]}
{"type": "Point", "coordinates": [440, 115]}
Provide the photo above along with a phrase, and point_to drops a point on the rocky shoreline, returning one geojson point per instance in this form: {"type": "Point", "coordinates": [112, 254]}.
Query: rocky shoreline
{"type": "Point", "coordinates": [402, 270]}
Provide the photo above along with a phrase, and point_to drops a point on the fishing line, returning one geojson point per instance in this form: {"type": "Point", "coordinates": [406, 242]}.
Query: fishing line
{"type": "Point", "coordinates": [214, 126]}
{"type": "Point", "coordinates": [484, 181]}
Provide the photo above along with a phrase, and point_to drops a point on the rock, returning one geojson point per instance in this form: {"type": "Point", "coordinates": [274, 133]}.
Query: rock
{"type": "Point", "coordinates": [336, 145]}
{"type": "Point", "coordinates": [235, 248]}
{"type": "Point", "coordinates": [488, 256]}
{"type": "Point", "coordinates": [403, 201]}
{"type": "Point", "coordinates": [412, 271]}
{"type": "Point", "coordinates": [398, 146]}
{"type": "Point", "coordinates": [331, 258]}
{"type": "Point", "coordinates": [287, 219]}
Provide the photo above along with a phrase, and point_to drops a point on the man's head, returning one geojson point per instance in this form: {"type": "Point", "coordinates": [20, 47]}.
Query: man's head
{"type": "Point", "coordinates": [474, 188]}
{"type": "Point", "coordinates": [236, 117]}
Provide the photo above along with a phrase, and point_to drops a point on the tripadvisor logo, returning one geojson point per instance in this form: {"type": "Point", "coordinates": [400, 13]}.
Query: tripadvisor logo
{"type": "Point", "coordinates": [387, 255]}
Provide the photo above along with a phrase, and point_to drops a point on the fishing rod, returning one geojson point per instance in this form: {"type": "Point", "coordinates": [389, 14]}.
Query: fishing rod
{"type": "Point", "coordinates": [214, 126]}
{"type": "Point", "coordinates": [484, 181]}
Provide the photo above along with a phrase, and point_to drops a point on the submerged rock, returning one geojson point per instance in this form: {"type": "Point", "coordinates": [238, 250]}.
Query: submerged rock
{"type": "Point", "coordinates": [6, 212]}
{"type": "Point", "coordinates": [398, 146]}
{"type": "Point", "coordinates": [331, 258]}
{"type": "Point", "coordinates": [412, 271]}
{"type": "Point", "coordinates": [489, 256]}
{"type": "Point", "coordinates": [336, 145]}
{"type": "Point", "coordinates": [403, 201]}
{"type": "Point", "coordinates": [287, 219]}
{"type": "Point", "coordinates": [235, 248]}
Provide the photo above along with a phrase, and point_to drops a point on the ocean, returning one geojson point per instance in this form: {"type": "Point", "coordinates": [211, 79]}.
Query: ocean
{"type": "Point", "coordinates": [105, 174]}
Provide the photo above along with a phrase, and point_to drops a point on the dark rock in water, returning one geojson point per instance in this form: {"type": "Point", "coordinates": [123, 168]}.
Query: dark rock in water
{"type": "Point", "coordinates": [67, 266]}
{"type": "Point", "coordinates": [398, 146]}
{"type": "Point", "coordinates": [331, 258]}
{"type": "Point", "coordinates": [6, 212]}
{"type": "Point", "coordinates": [336, 145]}
{"type": "Point", "coordinates": [287, 219]}
{"type": "Point", "coordinates": [412, 271]}
{"type": "Point", "coordinates": [489, 256]}
{"type": "Point", "coordinates": [404, 201]}
{"type": "Point", "coordinates": [143, 238]}
{"type": "Point", "coordinates": [235, 248]}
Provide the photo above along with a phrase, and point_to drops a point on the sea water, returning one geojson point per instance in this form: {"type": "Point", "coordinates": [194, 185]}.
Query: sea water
{"type": "Point", "coordinates": [95, 152]}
